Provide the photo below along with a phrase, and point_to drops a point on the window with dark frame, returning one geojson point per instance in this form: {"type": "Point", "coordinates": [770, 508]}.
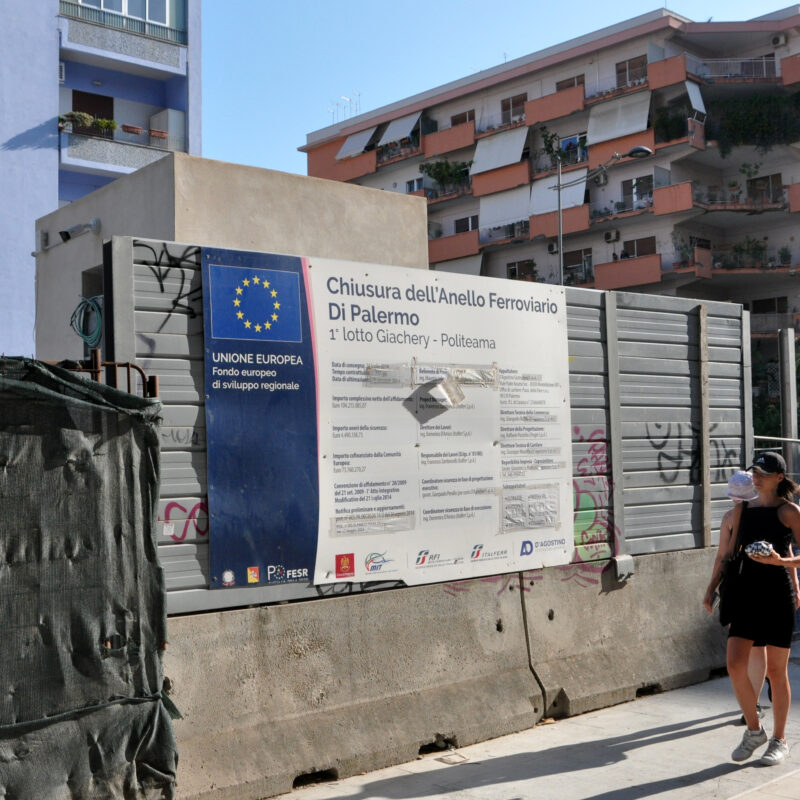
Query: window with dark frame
{"type": "Point", "coordinates": [513, 108]}
{"type": "Point", "coordinates": [520, 269]}
{"type": "Point", "coordinates": [646, 246]}
{"type": "Point", "coordinates": [466, 224]}
{"type": "Point", "coordinates": [766, 189]}
{"type": "Point", "coordinates": [462, 118]}
{"type": "Point", "coordinates": [632, 71]}
{"type": "Point", "coordinates": [568, 83]}
{"type": "Point", "coordinates": [414, 185]}
{"type": "Point", "coordinates": [770, 305]}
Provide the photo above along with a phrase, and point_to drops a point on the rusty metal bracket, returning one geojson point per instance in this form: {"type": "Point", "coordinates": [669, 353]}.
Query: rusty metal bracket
{"type": "Point", "coordinates": [94, 365]}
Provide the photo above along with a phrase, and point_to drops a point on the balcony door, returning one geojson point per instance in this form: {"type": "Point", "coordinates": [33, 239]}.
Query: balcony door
{"type": "Point", "coordinates": [99, 106]}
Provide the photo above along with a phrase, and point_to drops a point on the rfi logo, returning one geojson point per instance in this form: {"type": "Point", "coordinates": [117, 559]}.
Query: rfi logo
{"type": "Point", "coordinates": [422, 557]}
{"type": "Point", "coordinates": [345, 565]}
{"type": "Point", "coordinates": [252, 574]}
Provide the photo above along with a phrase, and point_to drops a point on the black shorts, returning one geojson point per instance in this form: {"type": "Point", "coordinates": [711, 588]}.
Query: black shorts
{"type": "Point", "coordinates": [774, 632]}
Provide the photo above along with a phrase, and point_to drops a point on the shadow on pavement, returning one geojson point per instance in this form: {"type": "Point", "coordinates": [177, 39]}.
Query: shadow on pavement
{"type": "Point", "coordinates": [563, 761]}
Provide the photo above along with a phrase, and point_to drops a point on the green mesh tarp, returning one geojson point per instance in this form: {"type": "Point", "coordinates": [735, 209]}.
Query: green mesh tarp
{"type": "Point", "coordinates": [82, 600]}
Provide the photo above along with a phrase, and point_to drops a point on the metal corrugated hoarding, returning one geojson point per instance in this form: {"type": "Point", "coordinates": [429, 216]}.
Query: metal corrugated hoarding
{"type": "Point", "coordinates": [639, 412]}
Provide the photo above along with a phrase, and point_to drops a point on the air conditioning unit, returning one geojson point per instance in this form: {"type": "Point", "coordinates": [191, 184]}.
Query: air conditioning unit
{"type": "Point", "coordinates": [601, 179]}
{"type": "Point", "coordinates": [552, 248]}
{"type": "Point", "coordinates": [62, 76]}
{"type": "Point", "coordinates": [612, 236]}
{"type": "Point", "coordinates": [778, 40]}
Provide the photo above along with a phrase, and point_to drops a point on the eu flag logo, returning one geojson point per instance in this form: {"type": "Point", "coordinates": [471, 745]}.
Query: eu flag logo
{"type": "Point", "coordinates": [255, 304]}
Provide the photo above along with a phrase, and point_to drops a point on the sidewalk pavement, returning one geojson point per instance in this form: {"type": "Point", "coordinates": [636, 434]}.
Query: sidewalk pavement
{"type": "Point", "coordinates": [674, 745]}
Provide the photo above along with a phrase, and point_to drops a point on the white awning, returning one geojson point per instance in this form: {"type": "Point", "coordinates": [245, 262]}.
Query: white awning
{"type": "Point", "coordinates": [499, 150]}
{"type": "Point", "coordinates": [355, 143]}
{"type": "Point", "coordinates": [544, 197]}
{"type": "Point", "coordinates": [399, 129]}
{"type": "Point", "coordinates": [504, 208]}
{"type": "Point", "coordinates": [695, 97]}
{"type": "Point", "coordinates": [469, 265]}
{"type": "Point", "coordinates": [619, 117]}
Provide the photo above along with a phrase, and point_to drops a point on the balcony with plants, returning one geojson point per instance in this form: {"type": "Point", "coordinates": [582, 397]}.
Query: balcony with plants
{"type": "Point", "coordinates": [451, 179]}
{"type": "Point", "coordinates": [753, 253]}
{"type": "Point", "coordinates": [507, 233]}
{"type": "Point", "coordinates": [106, 142]}
{"type": "Point", "coordinates": [569, 150]}
{"type": "Point", "coordinates": [628, 75]}
{"type": "Point", "coordinates": [635, 196]}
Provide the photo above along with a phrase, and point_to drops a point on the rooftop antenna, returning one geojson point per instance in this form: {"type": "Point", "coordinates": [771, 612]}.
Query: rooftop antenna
{"type": "Point", "coordinates": [349, 107]}
{"type": "Point", "coordinates": [333, 119]}
{"type": "Point", "coordinates": [357, 95]}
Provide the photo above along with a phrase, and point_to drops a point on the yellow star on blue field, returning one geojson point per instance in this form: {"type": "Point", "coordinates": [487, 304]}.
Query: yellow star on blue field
{"type": "Point", "coordinates": [246, 282]}
{"type": "Point", "coordinates": [255, 280]}
{"type": "Point", "coordinates": [258, 329]}
{"type": "Point", "coordinates": [239, 314]}
{"type": "Point", "coordinates": [276, 304]}
{"type": "Point", "coordinates": [247, 323]}
{"type": "Point", "coordinates": [274, 317]}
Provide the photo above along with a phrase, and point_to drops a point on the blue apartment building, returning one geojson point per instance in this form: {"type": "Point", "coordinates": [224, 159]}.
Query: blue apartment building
{"type": "Point", "coordinates": [133, 62]}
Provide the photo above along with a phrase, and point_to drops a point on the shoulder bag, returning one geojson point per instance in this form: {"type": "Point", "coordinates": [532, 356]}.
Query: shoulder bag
{"type": "Point", "coordinates": [730, 587]}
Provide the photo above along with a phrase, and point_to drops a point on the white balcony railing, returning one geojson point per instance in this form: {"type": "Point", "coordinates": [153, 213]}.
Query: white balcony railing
{"type": "Point", "coordinates": [710, 68]}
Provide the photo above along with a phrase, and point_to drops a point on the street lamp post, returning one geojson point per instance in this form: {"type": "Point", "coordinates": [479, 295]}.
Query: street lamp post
{"type": "Point", "coordinates": [640, 151]}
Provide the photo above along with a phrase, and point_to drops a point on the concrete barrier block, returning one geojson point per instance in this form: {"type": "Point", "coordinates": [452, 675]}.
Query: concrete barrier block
{"type": "Point", "coordinates": [345, 684]}
{"type": "Point", "coordinates": [596, 642]}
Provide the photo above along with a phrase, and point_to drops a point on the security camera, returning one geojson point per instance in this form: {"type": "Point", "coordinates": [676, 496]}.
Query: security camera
{"type": "Point", "coordinates": [80, 228]}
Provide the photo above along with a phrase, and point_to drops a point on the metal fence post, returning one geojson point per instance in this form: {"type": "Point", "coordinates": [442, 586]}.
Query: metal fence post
{"type": "Point", "coordinates": [623, 561]}
{"type": "Point", "coordinates": [788, 395]}
{"type": "Point", "coordinates": [705, 422]}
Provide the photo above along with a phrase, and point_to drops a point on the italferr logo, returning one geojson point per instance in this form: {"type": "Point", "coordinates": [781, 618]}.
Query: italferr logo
{"type": "Point", "coordinates": [476, 552]}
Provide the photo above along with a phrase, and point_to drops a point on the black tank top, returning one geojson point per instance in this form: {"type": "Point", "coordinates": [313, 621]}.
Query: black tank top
{"type": "Point", "coordinates": [760, 523]}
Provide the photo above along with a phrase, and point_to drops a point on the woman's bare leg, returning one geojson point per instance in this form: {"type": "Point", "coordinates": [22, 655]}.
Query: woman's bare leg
{"type": "Point", "coordinates": [778, 671]}
{"type": "Point", "coordinates": [738, 659]}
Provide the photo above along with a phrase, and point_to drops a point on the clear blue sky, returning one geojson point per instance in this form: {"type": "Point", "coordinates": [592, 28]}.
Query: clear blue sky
{"type": "Point", "coordinates": [272, 69]}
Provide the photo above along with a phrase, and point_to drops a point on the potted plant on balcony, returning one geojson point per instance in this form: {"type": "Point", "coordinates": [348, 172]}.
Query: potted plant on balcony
{"type": "Point", "coordinates": [684, 252]}
{"type": "Point", "coordinates": [157, 134]}
{"type": "Point", "coordinates": [785, 256]}
{"type": "Point", "coordinates": [75, 119]}
{"type": "Point", "coordinates": [105, 127]}
{"type": "Point", "coordinates": [734, 190]}
{"type": "Point", "coordinates": [136, 130]}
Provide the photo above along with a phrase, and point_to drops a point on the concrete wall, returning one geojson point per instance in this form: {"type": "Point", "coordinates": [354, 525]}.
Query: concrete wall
{"type": "Point", "coordinates": [351, 684]}
{"type": "Point", "coordinates": [28, 157]}
{"type": "Point", "coordinates": [188, 199]}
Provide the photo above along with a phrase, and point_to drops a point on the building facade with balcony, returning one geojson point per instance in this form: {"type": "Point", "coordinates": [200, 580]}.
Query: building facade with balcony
{"type": "Point", "coordinates": [709, 215]}
{"type": "Point", "coordinates": [92, 89]}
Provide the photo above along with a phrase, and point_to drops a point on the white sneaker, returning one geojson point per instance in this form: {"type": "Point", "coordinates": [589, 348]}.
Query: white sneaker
{"type": "Point", "coordinates": [776, 752]}
{"type": "Point", "coordinates": [750, 742]}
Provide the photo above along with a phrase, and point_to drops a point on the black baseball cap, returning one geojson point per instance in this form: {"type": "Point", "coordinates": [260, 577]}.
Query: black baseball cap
{"type": "Point", "coordinates": [769, 463]}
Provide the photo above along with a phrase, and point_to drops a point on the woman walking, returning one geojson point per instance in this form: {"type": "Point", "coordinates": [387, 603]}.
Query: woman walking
{"type": "Point", "coordinates": [764, 610]}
